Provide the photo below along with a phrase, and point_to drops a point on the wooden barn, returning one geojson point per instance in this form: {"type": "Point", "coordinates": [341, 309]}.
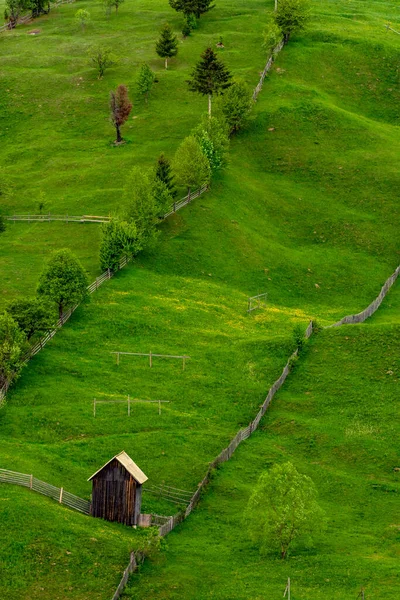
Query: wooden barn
{"type": "Point", "coordinates": [117, 490]}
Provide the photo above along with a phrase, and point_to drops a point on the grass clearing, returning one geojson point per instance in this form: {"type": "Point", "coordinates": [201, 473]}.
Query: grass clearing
{"type": "Point", "coordinates": [307, 212]}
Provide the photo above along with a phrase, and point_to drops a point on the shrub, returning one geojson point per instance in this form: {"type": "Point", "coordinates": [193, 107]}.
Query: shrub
{"type": "Point", "coordinates": [235, 105]}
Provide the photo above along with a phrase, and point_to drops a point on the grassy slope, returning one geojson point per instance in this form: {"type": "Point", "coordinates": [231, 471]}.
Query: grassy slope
{"type": "Point", "coordinates": [284, 217]}
{"type": "Point", "coordinates": [336, 420]}
{"type": "Point", "coordinates": [50, 552]}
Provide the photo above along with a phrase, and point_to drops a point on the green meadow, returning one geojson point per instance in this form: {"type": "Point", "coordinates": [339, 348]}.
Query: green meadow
{"type": "Point", "coordinates": [306, 210]}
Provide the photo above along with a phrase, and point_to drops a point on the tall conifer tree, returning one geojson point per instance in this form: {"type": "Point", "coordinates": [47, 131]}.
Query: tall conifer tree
{"type": "Point", "coordinates": [167, 45]}
{"type": "Point", "coordinates": [210, 76]}
{"type": "Point", "coordinates": [163, 173]}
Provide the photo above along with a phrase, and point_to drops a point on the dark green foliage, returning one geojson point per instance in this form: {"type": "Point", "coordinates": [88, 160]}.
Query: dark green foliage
{"type": "Point", "coordinates": [14, 9]}
{"type": "Point", "coordinates": [210, 76]}
{"type": "Point", "coordinates": [118, 238]}
{"type": "Point", "coordinates": [63, 281]}
{"type": "Point", "coordinates": [235, 105]}
{"type": "Point", "coordinates": [194, 7]}
{"type": "Point", "coordinates": [39, 7]}
{"type": "Point", "coordinates": [163, 172]}
{"type": "Point", "coordinates": [292, 16]}
{"type": "Point", "coordinates": [162, 196]}
{"type": "Point", "coordinates": [2, 224]}
{"type": "Point", "coordinates": [33, 315]}
{"type": "Point", "coordinates": [298, 337]}
{"type": "Point", "coordinates": [189, 24]}
{"type": "Point", "coordinates": [167, 44]}
{"type": "Point", "coordinates": [12, 341]}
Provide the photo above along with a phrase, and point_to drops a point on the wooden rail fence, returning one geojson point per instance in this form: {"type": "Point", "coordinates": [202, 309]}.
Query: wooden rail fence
{"type": "Point", "coordinates": [59, 494]}
{"type": "Point", "coordinates": [66, 218]}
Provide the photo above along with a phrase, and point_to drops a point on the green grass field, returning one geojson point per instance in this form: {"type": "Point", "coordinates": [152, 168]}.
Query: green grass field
{"type": "Point", "coordinates": [306, 210]}
{"type": "Point", "coordinates": [336, 420]}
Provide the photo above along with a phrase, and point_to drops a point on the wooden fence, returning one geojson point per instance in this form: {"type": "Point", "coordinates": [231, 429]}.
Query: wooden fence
{"type": "Point", "coordinates": [27, 18]}
{"type": "Point", "coordinates": [58, 494]}
{"type": "Point", "coordinates": [67, 218]}
{"type": "Point", "coordinates": [373, 307]}
{"type": "Point", "coordinates": [267, 68]}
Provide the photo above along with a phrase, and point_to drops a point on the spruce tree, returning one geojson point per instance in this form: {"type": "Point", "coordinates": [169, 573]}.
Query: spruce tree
{"type": "Point", "coordinates": [163, 173]}
{"type": "Point", "coordinates": [167, 45]}
{"type": "Point", "coordinates": [210, 76]}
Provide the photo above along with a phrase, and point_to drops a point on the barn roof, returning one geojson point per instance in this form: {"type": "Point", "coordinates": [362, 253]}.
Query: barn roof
{"type": "Point", "coordinates": [129, 465]}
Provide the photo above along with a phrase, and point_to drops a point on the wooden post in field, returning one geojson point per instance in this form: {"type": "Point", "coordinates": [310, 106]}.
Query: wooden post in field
{"type": "Point", "coordinates": [276, 5]}
{"type": "Point", "coordinates": [183, 363]}
{"type": "Point", "coordinates": [159, 407]}
{"type": "Point", "coordinates": [287, 590]}
{"type": "Point", "coordinates": [361, 594]}
{"type": "Point", "coordinates": [30, 481]}
{"type": "Point", "coordinates": [150, 360]}
{"type": "Point", "coordinates": [129, 406]}
{"type": "Point", "coordinates": [94, 407]}
{"type": "Point", "coordinates": [118, 358]}
{"type": "Point", "coordinates": [61, 495]}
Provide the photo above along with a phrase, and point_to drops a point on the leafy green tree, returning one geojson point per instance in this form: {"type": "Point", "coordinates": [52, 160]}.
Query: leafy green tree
{"type": "Point", "coordinates": [63, 280]}
{"type": "Point", "coordinates": [163, 172]}
{"type": "Point", "coordinates": [190, 166]}
{"type": "Point", "coordinates": [12, 343]}
{"type": "Point", "coordinates": [210, 76]}
{"type": "Point", "coordinates": [235, 105]}
{"type": "Point", "coordinates": [14, 9]}
{"type": "Point", "coordinates": [101, 58]}
{"type": "Point", "coordinates": [292, 16]}
{"type": "Point", "coordinates": [272, 36]}
{"type": "Point", "coordinates": [141, 205]}
{"type": "Point", "coordinates": [120, 109]}
{"type": "Point", "coordinates": [83, 17]}
{"type": "Point", "coordinates": [194, 7]}
{"type": "Point", "coordinates": [212, 135]}
{"type": "Point", "coordinates": [145, 81]}
{"type": "Point", "coordinates": [162, 197]}
{"type": "Point", "coordinates": [118, 238]}
{"type": "Point", "coordinates": [33, 315]}
{"type": "Point", "coordinates": [116, 4]}
{"type": "Point", "coordinates": [282, 507]}
{"type": "Point", "coordinates": [190, 23]}
{"type": "Point", "coordinates": [39, 7]}
{"type": "Point", "coordinates": [167, 44]}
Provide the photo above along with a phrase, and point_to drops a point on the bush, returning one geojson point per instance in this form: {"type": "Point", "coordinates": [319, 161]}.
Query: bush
{"type": "Point", "coordinates": [12, 343]}
{"type": "Point", "coordinates": [33, 315]}
{"type": "Point", "coordinates": [298, 337]}
{"type": "Point", "coordinates": [118, 238]}
{"type": "Point", "coordinates": [292, 16]}
{"type": "Point", "coordinates": [212, 135]}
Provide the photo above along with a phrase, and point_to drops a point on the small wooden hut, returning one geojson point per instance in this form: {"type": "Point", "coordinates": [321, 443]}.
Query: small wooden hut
{"type": "Point", "coordinates": [117, 490]}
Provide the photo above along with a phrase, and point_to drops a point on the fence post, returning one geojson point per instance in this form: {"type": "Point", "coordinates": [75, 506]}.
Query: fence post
{"type": "Point", "coordinates": [30, 481]}
{"type": "Point", "coordinates": [159, 407]}
{"type": "Point", "coordinates": [183, 363]}
{"type": "Point", "coordinates": [61, 495]}
{"type": "Point", "coordinates": [118, 358]}
{"type": "Point", "coordinates": [129, 406]}
{"type": "Point", "coordinates": [174, 206]}
{"type": "Point", "coordinates": [109, 273]}
{"type": "Point", "coordinates": [94, 407]}
{"type": "Point", "coordinates": [150, 359]}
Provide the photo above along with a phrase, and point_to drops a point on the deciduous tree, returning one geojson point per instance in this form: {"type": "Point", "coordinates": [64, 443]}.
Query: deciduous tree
{"type": "Point", "coordinates": [33, 315]}
{"type": "Point", "coordinates": [118, 238]}
{"type": "Point", "coordinates": [194, 7]}
{"type": "Point", "coordinates": [63, 280]}
{"type": "Point", "coordinates": [101, 58]}
{"type": "Point", "coordinates": [167, 44]}
{"type": "Point", "coordinates": [210, 76]}
{"type": "Point", "coordinates": [145, 81]}
{"type": "Point", "coordinates": [12, 341]}
{"type": "Point", "coordinates": [14, 9]}
{"type": "Point", "coordinates": [190, 166]}
{"type": "Point", "coordinates": [212, 135]}
{"type": "Point", "coordinates": [120, 108]}
{"type": "Point", "coordinates": [282, 507]}
{"type": "Point", "coordinates": [291, 16]}
{"type": "Point", "coordinates": [235, 105]}
{"type": "Point", "coordinates": [141, 205]}
{"type": "Point", "coordinates": [272, 36]}
{"type": "Point", "coordinates": [83, 17]}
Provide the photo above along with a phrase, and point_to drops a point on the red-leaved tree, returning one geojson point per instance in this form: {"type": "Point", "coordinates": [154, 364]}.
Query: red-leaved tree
{"type": "Point", "coordinates": [120, 107]}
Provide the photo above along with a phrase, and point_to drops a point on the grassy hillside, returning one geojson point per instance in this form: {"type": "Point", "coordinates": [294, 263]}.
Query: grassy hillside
{"type": "Point", "coordinates": [50, 552]}
{"type": "Point", "coordinates": [306, 210]}
{"type": "Point", "coordinates": [336, 420]}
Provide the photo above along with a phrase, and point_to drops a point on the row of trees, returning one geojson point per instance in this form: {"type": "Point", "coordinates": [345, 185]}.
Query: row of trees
{"type": "Point", "coordinates": [15, 8]}
{"type": "Point", "coordinates": [62, 284]}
